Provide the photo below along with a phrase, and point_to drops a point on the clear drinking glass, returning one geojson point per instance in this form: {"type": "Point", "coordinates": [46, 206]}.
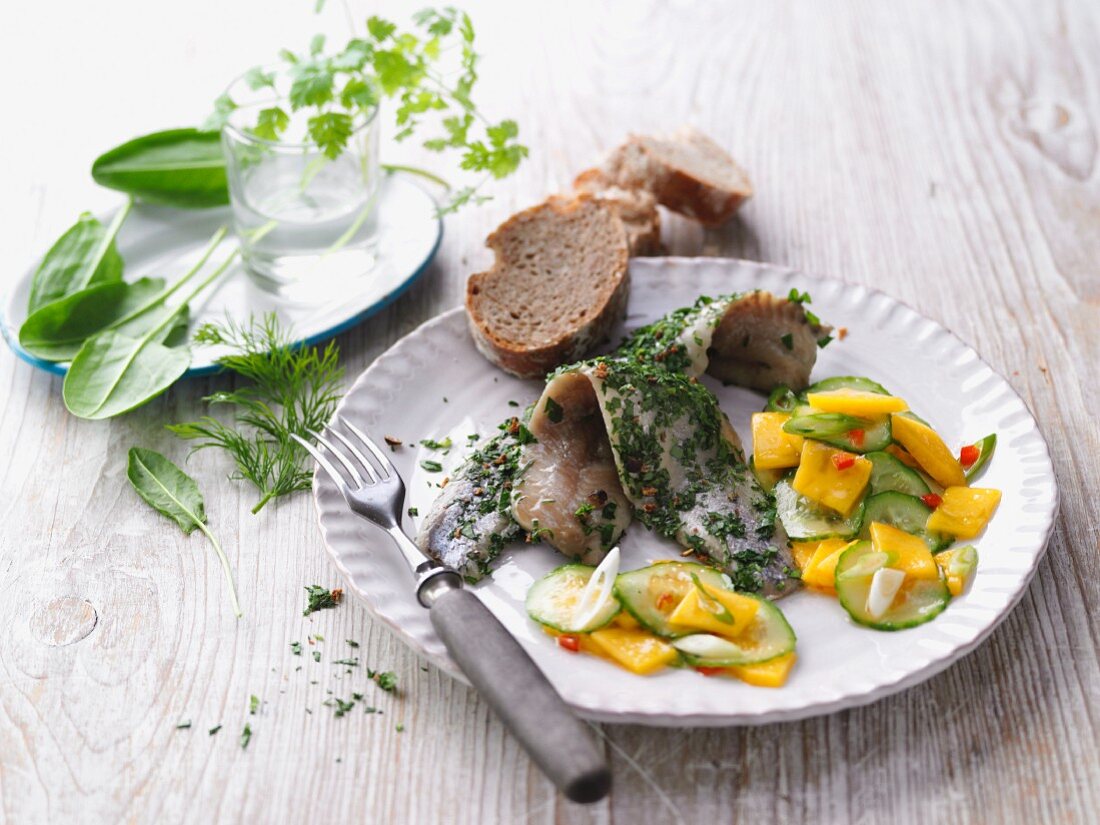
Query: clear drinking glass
{"type": "Point", "coordinates": [307, 223]}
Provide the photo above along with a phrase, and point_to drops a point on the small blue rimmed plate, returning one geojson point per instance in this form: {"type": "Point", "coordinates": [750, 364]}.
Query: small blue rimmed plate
{"type": "Point", "coordinates": [161, 242]}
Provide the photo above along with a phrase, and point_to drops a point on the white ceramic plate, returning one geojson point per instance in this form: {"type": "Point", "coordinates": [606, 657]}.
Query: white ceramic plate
{"type": "Point", "coordinates": [161, 242]}
{"type": "Point", "coordinates": [434, 384]}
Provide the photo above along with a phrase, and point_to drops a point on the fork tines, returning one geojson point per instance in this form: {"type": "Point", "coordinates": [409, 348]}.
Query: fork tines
{"type": "Point", "coordinates": [357, 464]}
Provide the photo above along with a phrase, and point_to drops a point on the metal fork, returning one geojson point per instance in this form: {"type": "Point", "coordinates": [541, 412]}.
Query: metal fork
{"type": "Point", "coordinates": [494, 662]}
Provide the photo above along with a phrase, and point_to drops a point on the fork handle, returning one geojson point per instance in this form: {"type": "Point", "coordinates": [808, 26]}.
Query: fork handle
{"type": "Point", "coordinates": [521, 695]}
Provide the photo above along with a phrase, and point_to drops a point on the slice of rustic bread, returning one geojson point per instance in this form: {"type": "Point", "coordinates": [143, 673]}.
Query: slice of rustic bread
{"type": "Point", "coordinates": [558, 285]}
{"type": "Point", "coordinates": [686, 171]}
{"type": "Point", "coordinates": [636, 208]}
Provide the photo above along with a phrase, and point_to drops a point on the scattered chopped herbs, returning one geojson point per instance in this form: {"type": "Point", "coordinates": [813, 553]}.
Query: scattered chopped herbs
{"type": "Point", "coordinates": [253, 704]}
{"type": "Point", "coordinates": [296, 648]}
{"type": "Point", "coordinates": [321, 598]}
{"type": "Point", "coordinates": [788, 341]}
{"type": "Point", "coordinates": [340, 706]}
{"type": "Point", "coordinates": [431, 444]}
{"type": "Point", "coordinates": [431, 466]}
{"type": "Point", "coordinates": [400, 727]}
{"type": "Point", "coordinates": [348, 662]}
{"type": "Point", "coordinates": [371, 709]}
{"type": "Point", "coordinates": [316, 655]}
{"type": "Point", "coordinates": [246, 735]}
{"type": "Point", "coordinates": [318, 636]}
{"type": "Point", "coordinates": [513, 403]}
{"type": "Point", "coordinates": [413, 512]}
{"type": "Point", "coordinates": [352, 642]}
{"type": "Point", "coordinates": [824, 341]}
{"type": "Point", "coordinates": [386, 680]}
{"type": "Point", "coordinates": [184, 725]}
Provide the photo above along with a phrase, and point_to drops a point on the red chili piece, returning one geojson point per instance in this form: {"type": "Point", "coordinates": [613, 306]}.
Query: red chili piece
{"type": "Point", "coordinates": [932, 500]}
{"type": "Point", "coordinates": [856, 437]}
{"type": "Point", "coordinates": [968, 455]}
{"type": "Point", "coordinates": [570, 642]}
{"type": "Point", "coordinates": [710, 671]}
{"type": "Point", "coordinates": [842, 461]}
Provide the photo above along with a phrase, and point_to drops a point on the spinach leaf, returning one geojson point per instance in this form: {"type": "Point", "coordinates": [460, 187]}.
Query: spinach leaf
{"type": "Point", "coordinates": [174, 494]}
{"type": "Point", "coordinates": [178, 167]}
{"type": "Point", "coordinates": [124, 367]}
{"type": "Point", "coordinates": [57, 330]}
{"type": "Point", "coordinates": [84, 256]}
{"type": "Point", "coordinates": [114, 373]}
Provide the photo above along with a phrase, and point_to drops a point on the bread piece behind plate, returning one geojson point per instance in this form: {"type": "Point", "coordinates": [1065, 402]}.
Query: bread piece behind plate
{"type": "Point", "coordinates": [558, 285]}
{"type": "Point", "coordinates": [686, 171]}
{"type": "Point", "coordinates": [635, 207]}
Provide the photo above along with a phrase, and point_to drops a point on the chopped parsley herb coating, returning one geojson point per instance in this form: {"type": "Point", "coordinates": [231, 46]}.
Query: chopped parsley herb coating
{"type": "Point", "coordinates": [663, 341]}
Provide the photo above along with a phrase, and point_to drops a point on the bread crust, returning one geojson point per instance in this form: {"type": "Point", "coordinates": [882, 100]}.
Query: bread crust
{"type": "Point", "coordinates": [638, 164]}
{"type": "Point", "coordinates": [526, 360]}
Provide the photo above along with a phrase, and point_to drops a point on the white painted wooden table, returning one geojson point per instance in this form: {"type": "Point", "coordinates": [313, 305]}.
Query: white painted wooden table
{"type": "Point", "coordinates": [944, 152]}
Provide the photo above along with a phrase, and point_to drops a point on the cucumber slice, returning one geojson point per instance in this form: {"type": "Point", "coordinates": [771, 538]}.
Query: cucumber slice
{"type": "Point", "coordinates": [782, 399]}
{"type": "Point", "coordinates": [904, 512]}
{"type": "Point", "coordinates": [767, 479]}
{"type": "Point", "coordinates": [889, 474]}
{"type": "Point", "coordinates": [652, 593]}
{"type": "Point", "coordinates": [918, 601]}
{"type": "Point", "coordinates": [553, 600]}
{"type": "Point", "coordinates": [768, 636]}
{"type": "Point", "coordinates": [836, 429]}
{"type": "Point", "coordinates": [985, 451]}
{"type": "Point", "coordinates": [849, 382]}
{"type": "Point", "coordinates": [804, 520]}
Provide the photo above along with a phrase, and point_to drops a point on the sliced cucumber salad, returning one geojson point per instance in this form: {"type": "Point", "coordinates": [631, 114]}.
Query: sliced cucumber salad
{"type": "Point", "coordinates": [890, 475]}
{"type": "Point", "coordinates": [804, 520]}
{"type": "Point", "coordinates": [913, 602]}
{"type": "Point", "coordinates": [859, 456]}
{"type": "Point", "coordinates": [904, 512]}
{"type": "Point", "coordinates": [767, 637]}
{"type": "Point", "coordinates": [652, 593]}
{"type": "Point", "coordinates": [555, 601]}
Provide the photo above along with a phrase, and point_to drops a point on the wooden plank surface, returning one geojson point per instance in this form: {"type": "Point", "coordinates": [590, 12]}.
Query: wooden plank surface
{"type": "Point", "coordinates": [945, 152]}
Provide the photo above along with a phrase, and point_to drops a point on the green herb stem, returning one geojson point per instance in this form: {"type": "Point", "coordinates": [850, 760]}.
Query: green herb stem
{"type": "Point", "coordinates": [224, 559]}
{"type": "Point", "coordinates": [159, 299]}
{"type": "Point", "coordinates": [416, 170]}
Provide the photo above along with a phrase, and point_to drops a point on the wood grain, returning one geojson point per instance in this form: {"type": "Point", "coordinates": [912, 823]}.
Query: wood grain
{"type": "Point", "coordinates": [945, 152]}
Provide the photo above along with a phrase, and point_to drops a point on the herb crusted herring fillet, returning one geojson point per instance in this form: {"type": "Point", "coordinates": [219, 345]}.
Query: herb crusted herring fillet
{"type": "Point", "coordinates": [679, 464]}
{"type": "Point", "coordinates": [635, 435]}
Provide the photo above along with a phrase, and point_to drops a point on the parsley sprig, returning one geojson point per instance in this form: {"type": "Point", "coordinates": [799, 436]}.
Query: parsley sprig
{"type": "Point", "coordinates": [337, 90]}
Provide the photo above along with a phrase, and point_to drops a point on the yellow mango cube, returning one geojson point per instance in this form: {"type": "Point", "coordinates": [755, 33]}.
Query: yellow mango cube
{"type": "Point", "coordinates": [639, 651]}
{"type": "Point", "coordinates": [909, 553]}
{"type": "Point", "coordinates": [958, 565]}
{"type": "Point", "coordinates": [819, 479]}
{"type": "Point", "coordinates": [772, 447]}
{"type": "Point", "coordinates": [821, 569]}
{"type": "Point", "coordinates": [856, 402]}
{"type": "Point", "coordinates": [802, 552]}
{"type": "Point", "coordinates": [772, 673]}
{"type": "Point", "coordinates": [934, 457]}
{"type": "Point", "coordinates": [964, 511]}
{"type": "Point", "coordinates": [693, 614]}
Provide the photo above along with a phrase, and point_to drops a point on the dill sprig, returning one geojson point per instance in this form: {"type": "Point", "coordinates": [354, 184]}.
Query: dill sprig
{"type": "Point", "coordinates": [293, 389]}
